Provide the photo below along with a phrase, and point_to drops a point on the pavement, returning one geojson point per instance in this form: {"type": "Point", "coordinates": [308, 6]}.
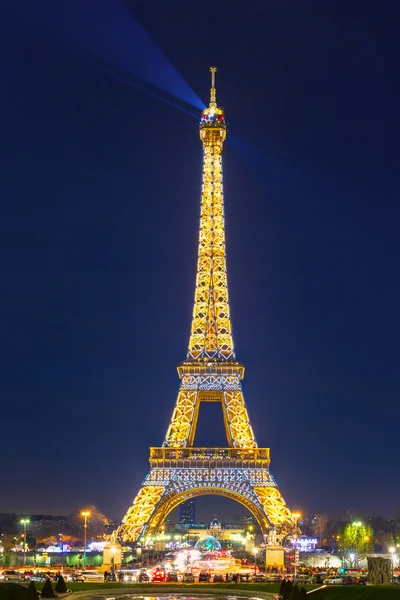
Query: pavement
{"type": "Point", "coordinates": [173, 592]}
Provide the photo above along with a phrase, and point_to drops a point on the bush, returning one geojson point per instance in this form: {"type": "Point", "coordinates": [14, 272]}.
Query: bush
{"type": "Point", "coordinates": [287, 590]}
{"type": "Point", "coordinates": [295, 593]}
{"type": "Point", "coordinates": [32, 593]}
{"type": "Point", "coordinates": [61, 588]}
{"type": "Point", "coordinates": [47, 591]}
{"type": "Point", "coordinates": [282, 587]}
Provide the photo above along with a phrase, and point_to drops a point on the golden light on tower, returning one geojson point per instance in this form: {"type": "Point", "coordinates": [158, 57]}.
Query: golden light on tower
{"type": "Point", "coordinates": [210, 373]}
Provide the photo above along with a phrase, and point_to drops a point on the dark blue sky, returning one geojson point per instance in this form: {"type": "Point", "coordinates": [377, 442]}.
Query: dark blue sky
{"type": "Point", "coordinates": [100, 192]}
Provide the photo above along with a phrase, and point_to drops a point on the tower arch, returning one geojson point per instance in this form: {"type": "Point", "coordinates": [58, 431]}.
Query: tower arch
{"type": "Point", "coordinates": [167, 505]}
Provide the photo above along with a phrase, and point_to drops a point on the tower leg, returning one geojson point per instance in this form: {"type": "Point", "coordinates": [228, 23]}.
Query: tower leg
{"type": "Point", "coordinates": [275, 507]}
{"type": "Point", "coordinates": [140, 512]}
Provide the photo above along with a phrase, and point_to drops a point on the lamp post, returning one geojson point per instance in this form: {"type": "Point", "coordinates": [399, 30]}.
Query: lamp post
{"type": "Point", "coordinates": [296, 516]}
{"type": "Point", "coordinates": [255, 551]}
{"type": "Point", "coordinates": [357, 524]}
{"type": "Point", "coordinates": [392, 550]}
{"type": "Point", "coordinates": [25, 522]}
{"type": "Point", "coordinates": [85, 514]}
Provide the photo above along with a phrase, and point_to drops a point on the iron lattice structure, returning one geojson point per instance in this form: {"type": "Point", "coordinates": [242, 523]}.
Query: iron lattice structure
{"type": "Point", "coordinates": [179, 471]}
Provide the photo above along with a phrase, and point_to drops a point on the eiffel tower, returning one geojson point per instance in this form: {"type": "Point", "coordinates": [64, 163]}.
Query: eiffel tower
{"type": "Point", "coordinates": [210, 373]}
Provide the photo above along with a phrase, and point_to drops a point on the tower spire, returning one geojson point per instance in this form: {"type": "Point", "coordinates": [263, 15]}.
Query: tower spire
{"type": "Point", "coordinates": [211, 335]}
{"type": "Point", "coordinates": [213, 91]}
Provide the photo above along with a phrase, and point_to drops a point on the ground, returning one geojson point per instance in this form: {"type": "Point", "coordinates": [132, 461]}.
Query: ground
{"type": "Point", "coordinates": [329, 593]}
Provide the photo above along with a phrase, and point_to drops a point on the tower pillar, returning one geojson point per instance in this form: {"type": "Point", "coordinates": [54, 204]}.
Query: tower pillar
{"type": "Point", "coordinates": [112, 556]}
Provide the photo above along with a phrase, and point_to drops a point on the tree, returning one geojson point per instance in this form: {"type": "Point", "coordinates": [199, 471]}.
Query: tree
{"type": "Point", "coordinates": [8, 541]}
{"type": "Point", "coordinates": [61, 588]}
{"type": "Point", "coordinates": [47, 591]}
{"type": "Point", "coordinates": [32, 593]}
{"type": "Point", "coordinates": [319, 526]}
{"type": "Point", "coordinates": [97, 523]}
{"type": "Point", "coordinates": [386, 540]}
{"type": "Point", "coordinates": [50, 540]}
{"type": "Point", "coordinates": [356, 540]}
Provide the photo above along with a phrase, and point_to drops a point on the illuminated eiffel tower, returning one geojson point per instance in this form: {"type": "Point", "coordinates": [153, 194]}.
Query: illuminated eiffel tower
{"type": "Point", "coordinates": [178, 470]}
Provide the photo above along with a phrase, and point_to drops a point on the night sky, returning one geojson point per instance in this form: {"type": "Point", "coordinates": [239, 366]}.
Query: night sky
{"type": "Point", "coordinates": [100, 195]}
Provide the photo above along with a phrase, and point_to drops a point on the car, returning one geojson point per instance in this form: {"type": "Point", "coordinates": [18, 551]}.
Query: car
{"type": "Point", "coordinates": [218, 578]}
{"type": "Point", "coordinates": [92, 576]}
{"type": "Point", "coordinates": [40, 577]}
{"type": "Point", "coordinates": [159, 575]}
{"type": "Point", "coordinates": [68, 575]}
{"type": "Point", "coordinates": [204, 577]}
{"type": "Point", "coordinates": [143, 577]}
{"type": "Point", "coordinates": [333, 581]}
{"type": "Point", "coordinates": [172, 576]}
{"type": "Point", "coordinates": [12, 576]}
{"type": "Point", "coordinates": [396, 581]}
{"type": "Point", "coordinates": [188, 578]}
{"type": "Point", "coordinates": [126, 576]}
{"type": "Point", "coordinates": [303, 579]}
{"type": "Point", "coordinates": [318, 578]}
{"type": "Point", "coordinates": [349, 580]}
{"type": "Point", "coordinates": [259, 578]}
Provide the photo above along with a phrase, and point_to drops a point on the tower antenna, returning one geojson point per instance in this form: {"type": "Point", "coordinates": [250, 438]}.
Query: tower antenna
{"type": "Point", "coordinates": [213, 91]}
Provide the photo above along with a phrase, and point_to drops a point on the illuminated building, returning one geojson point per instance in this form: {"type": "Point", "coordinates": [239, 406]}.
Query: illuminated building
{"type": "Point", "coordinates": [178, 470]}
{"type": "Point", "coordinates": [217, 531]}
{"type": "Point", "coordinates": [187, 512]}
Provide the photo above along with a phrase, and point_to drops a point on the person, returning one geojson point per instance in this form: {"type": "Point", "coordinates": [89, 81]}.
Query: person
{"type": "Point", "coordinates": [105, 575]}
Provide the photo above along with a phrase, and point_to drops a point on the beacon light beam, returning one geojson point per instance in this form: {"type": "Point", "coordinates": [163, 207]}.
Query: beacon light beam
{"type": "Point", "coordinates": [286, 182]}
{"type": "Point", "coordinates": [127, 78]}
{"type": "Point", "coordinates": [106, 29]}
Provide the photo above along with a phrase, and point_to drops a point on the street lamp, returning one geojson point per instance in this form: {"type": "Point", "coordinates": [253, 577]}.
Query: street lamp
{"type": "Point", "coordinates": [85, 514]}
{"type": "Point", "coordinates": [392, 550]}
{"type": "Point", "coordinates": [255, 551]}
{"type": "Point", "coordinates": [25, 522]}
{"type": "Point", "coordinates": [296, 516]}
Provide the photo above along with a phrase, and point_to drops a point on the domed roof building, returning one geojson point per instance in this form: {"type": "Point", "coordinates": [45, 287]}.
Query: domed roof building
{"type": "Point", "coordinates": [215, 531]}
{"type": "Point", "coordinates": [215, 524]}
